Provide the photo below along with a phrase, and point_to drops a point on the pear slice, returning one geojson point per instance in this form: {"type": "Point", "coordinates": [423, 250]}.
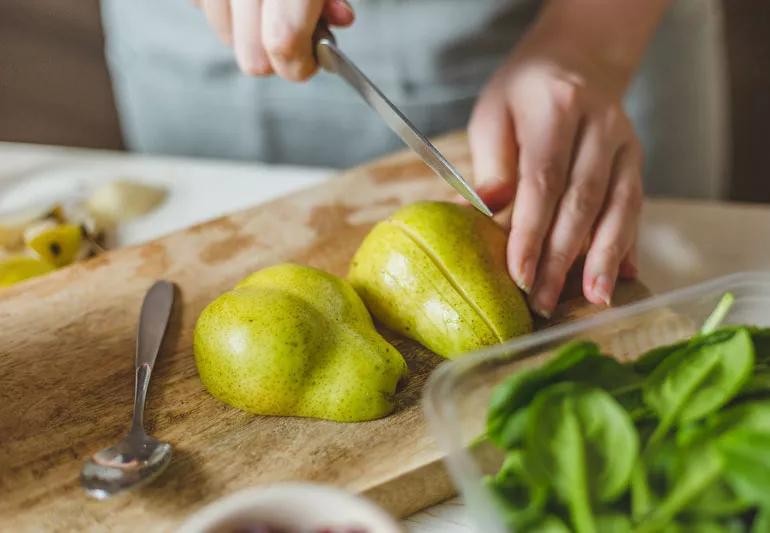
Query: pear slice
{"type": "Point", "coordinates": [436, 272]}
{"type": "Point", "coordinates": [291, 340]}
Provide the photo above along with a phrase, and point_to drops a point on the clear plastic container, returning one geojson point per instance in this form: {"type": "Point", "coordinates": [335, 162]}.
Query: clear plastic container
{"type": "Point", "coordinates": [458, 392]}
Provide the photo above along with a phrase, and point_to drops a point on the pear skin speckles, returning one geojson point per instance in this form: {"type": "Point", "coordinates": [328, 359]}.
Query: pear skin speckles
{"type": "Point", "coordinates": [436, 272]}
{"type": "Point", "coordinates": [294, 341]}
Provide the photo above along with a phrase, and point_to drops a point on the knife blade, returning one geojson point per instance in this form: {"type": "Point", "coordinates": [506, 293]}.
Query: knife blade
{"type": "Point", "coordinates": [333, 60]}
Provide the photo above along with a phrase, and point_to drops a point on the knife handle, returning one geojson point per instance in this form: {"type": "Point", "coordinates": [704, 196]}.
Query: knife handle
{"type": "Point", "coordinates": [322, 41]}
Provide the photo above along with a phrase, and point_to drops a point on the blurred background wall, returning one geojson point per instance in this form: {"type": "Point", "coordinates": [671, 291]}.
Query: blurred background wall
{"type": "Point", "coordinates": [55, 89]}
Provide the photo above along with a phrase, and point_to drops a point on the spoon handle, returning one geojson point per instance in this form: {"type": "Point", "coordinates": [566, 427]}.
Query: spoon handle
{"type": "Point", "coordinates": [153, 320]}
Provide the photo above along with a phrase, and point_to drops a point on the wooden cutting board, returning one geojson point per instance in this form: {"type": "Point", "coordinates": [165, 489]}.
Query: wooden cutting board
{"type": "Point", "coordinates": [66, 368]}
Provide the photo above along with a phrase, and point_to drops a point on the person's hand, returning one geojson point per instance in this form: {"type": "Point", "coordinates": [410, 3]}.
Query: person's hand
{"type": "Point", "coordinates": [550, 134]}
{"type": "Point", "coordinates": [274, 36]}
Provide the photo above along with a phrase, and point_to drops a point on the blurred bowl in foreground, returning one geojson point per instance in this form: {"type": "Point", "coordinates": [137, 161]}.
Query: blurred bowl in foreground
{"type": "Point", "coordinates": [291, 508]}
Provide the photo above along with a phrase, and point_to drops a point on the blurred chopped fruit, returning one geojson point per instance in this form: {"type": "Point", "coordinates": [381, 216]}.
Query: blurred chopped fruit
{"type": "Point", "coordinates": [57, 244]}
{"type": "Point", "coordinates": [13, 224]}
{"type": "Point", "coordinates": [122, 200]}
{"type": "Point", "coordinates": [35, 240]}
{"type": "Point", "coordinates": [17, 268]}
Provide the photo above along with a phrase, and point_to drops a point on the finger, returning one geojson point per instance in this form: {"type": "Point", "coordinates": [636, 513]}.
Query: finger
{"type": "Point", "coordinates": [247, 37]}
{"type": "Point", "coordinates": [287, 29]}
{"type": "Point", "coordinates": [338, 13]}
{"type": "Point", "coordinates": [493, 147]}
{"type": "Point", "coordinates": [503, 217]}
{"type": "Point", "coordinates": [629, 268]}
{"type": "Point", "coordinates": [577, 211]}
{"type": "Point", "coordinates": [219, 17]}
{"type": "Point", "coordinates": [616, 229]}
{"type": "Point", "coordinates": [546, 137]}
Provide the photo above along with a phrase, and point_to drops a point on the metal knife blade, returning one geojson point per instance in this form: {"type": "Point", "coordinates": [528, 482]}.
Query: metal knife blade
{"type": "Point", "coordinates": [332, 59]}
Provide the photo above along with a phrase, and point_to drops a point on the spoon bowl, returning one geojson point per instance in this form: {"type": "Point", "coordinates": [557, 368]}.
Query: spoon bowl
{"type": "Point", "coordinates": [133, 462]}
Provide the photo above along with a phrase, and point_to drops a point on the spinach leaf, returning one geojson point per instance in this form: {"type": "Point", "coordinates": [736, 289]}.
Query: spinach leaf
{"type": "Point", "coordinates": [520, 499]}
{"type": "Point", "coordinates": [718, 314]}
{"type": "Point", "coordinates": [761, 338]}
{"type": "Point", "coordinates": [719, 500]}
{"type": "Point", "coordinates": [702, 466]}
{"type": "Point", "coordinates": [706, 526]}
{"type": "Point", "coordinates": [648, 361]}
{"type": "Point", "coordinates": [752, 416]}
{"type": "Point", "coordinates": [549, 524]}
{"type": "Point", "coordinates": [699, 379]}
{"type": "Point", "coordinates": [512, 432]}
{"type": "Point", "coordinates": [577, 362]}
{"type": "Point", "coordinates": [613, 523]}
{"type": "Point", "coordinates": [572, 430]}
{"type": "Point", "coordinates": [642, 498]}
{"type": "Point", "coordinates": [603, 371]}
{"type": "Point", "coordinates": [757, 387]}
{"type": "Point", "coordinates": [746, 455]}
{"type": "Point", "coordinates": [518, 390]}
{"type": "Point", "coordinates": [556, 452]}
{"type": "Point", "coordinates": [761, 521]}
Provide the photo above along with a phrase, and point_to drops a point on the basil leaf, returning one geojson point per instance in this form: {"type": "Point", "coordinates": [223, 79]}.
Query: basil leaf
{"type": "Point", "coordinates": [699, 379]}
{"type": "Point", "coordinates": [574, 430]}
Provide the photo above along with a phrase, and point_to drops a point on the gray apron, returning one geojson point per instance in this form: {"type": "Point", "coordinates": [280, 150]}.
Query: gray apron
{"type": "Point", "coordinates": [179, 91]}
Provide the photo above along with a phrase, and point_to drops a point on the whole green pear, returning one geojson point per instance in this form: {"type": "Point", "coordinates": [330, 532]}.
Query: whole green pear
{"type": "Point", "coordinates": [292, 340]}
{"type": "Point", "coordinates": [436, 272]}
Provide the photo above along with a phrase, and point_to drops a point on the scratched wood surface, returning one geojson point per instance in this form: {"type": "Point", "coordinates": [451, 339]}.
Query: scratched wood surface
{"type": "Point", "coordinates": [66, 356]}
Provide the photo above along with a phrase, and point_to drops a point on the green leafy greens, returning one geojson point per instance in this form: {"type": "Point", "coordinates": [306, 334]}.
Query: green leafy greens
{"type": "Point", "coordinates": [678, 440]}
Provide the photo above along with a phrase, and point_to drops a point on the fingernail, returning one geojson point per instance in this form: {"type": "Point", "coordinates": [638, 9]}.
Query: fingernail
{"type": "Point", "coordinates": [602, 288]}
{"type": "Point", "coordinates": [344, 5]}
{"type": "Point", "coordinates": [543, 302]}
{"type": "Point", "coordinates": [525, 275]}
{"type": "Point", "coordinates": [484, 184]}
{"type": "Point", "coordinates": [540, 311]}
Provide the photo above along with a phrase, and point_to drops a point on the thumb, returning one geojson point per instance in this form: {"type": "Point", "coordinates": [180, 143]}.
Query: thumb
{"type": "Point", "coordinates": [493, 147]}
{"type": "Point", "coordinates": [338, 13]}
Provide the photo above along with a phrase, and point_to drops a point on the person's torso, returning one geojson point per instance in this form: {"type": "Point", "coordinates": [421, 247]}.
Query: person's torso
{"type": "Point", "coordinates": [180, 91]}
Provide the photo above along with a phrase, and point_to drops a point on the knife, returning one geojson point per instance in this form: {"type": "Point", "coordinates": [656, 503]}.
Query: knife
{"type": "Point", "coordinates": [331, 59]}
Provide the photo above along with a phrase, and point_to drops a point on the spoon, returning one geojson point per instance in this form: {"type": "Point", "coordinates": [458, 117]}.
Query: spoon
{"type": "Point", "coordinates": [138, 458]}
